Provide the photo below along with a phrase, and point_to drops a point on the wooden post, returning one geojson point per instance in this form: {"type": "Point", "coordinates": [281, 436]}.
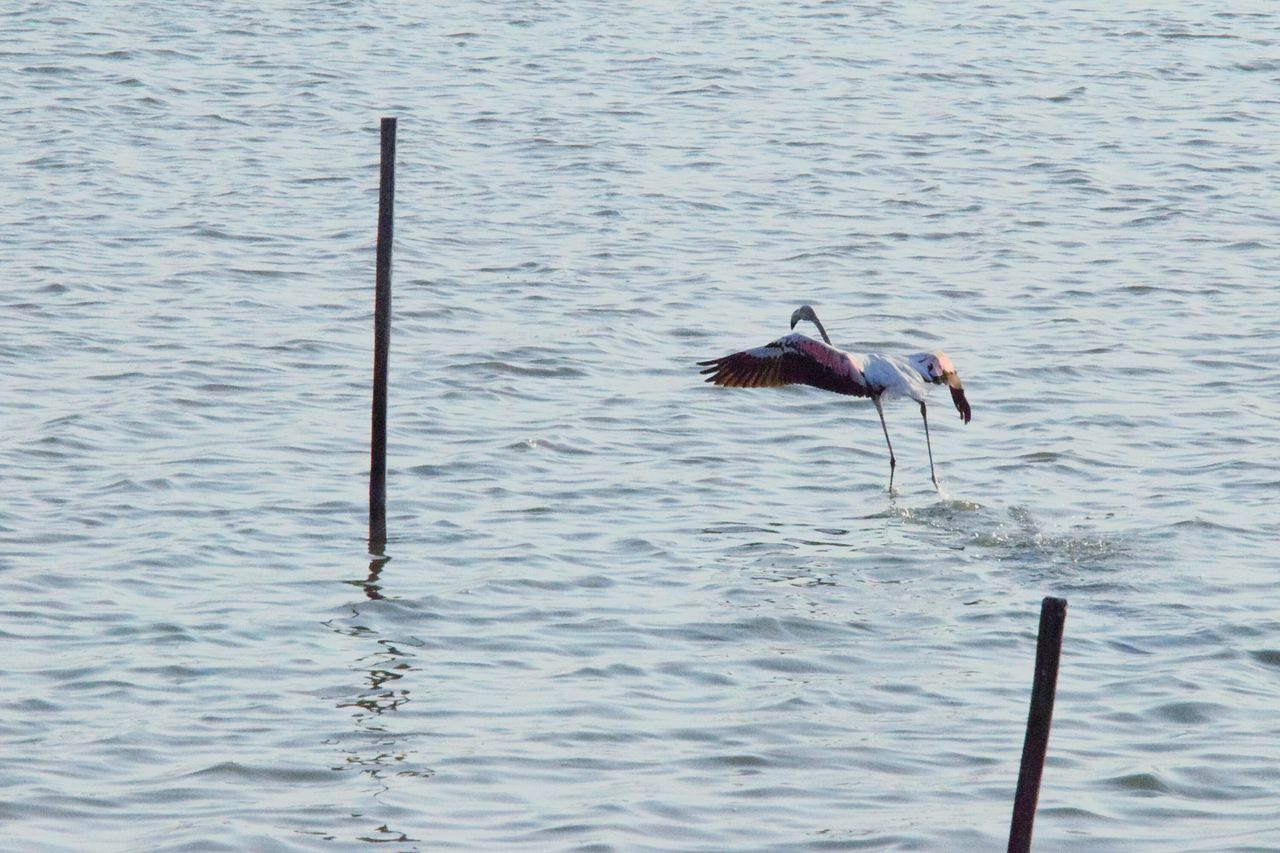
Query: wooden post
{"type": "Point", "coordinates": [382, 342]}
{"type": "Point", "coordinates": [1053, 614]}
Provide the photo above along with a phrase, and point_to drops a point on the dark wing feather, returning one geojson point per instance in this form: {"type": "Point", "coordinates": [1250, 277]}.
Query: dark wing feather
{"type": "Point", "coordinates": [792, 360]}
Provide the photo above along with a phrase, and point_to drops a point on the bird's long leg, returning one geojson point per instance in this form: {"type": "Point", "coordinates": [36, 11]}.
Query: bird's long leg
{"type": "Point", "coordinates": [925, 416]}
{"type": "Point", "coordinates": [893, 463]}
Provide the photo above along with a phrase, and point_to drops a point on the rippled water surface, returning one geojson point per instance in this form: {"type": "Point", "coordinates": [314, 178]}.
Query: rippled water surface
{"type": "Point", "coordinates": [626, 610]}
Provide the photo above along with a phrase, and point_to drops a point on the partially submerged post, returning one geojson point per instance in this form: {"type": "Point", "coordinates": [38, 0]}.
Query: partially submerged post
{"type": "Point", "coordinates": [382, 342]}
{"type": "Point", "coordinates": [1053, 613]}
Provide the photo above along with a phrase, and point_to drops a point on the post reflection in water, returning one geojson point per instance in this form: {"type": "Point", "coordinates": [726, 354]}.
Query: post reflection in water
{"type": "Point", "coordinates": [371, 587]}
{"type": "Point", "coordinates": [373, 746]}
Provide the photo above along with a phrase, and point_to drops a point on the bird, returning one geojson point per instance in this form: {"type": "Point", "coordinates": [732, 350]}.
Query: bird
{"type": "Point", "coordinates": [797, 359]}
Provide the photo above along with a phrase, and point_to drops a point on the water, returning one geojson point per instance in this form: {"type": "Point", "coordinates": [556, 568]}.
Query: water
{"type": "Point", "coordinates": [625, 610]}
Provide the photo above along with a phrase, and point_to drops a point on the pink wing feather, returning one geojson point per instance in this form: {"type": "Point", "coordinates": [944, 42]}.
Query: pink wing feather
{"type": "Point", "coordinates": [792, 360]}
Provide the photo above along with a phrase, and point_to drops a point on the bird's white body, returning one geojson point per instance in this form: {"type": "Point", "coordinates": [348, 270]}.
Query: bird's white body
{"type": "Point", "coordinates": [896, 375]}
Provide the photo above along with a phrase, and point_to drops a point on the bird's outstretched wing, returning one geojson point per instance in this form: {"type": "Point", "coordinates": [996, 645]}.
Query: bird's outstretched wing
{"type": "Point", "coordinates": [792, 360]}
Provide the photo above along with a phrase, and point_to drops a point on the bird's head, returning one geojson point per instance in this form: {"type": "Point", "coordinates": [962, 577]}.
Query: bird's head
{"type": "Point", "coordinates": [937, 368]}
{"type": "Point", "coordinates": [805, 312]}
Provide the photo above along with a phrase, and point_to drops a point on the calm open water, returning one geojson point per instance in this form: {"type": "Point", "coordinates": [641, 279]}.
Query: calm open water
{"type": "Point", "coordinates": [626, 610]}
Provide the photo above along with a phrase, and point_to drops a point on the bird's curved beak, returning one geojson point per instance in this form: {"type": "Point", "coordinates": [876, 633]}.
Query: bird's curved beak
{"type": "Point", "coordinates": [957, 395]}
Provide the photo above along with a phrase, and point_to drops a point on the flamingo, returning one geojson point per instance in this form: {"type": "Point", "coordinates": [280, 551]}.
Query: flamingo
{"type": "Point", "coordinates": [799, 359]}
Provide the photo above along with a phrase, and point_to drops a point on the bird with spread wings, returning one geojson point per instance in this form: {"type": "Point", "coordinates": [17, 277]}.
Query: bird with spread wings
{"type": "Point", "coordinates": [797, 359]}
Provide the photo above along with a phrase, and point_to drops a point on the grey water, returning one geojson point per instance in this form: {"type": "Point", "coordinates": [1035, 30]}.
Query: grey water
{"type": "Point", "coordinates": [625, 610]}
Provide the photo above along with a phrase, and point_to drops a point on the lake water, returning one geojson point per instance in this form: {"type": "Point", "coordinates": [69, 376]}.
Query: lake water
{"type": "Point", "coordinates": [626, 610]}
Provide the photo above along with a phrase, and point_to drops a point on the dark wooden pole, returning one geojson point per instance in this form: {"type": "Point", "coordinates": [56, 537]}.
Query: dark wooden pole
{"type": "Point", "coordinates": [1053, 614]}
{"type": "Point", "coordinates": [382, 342]}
